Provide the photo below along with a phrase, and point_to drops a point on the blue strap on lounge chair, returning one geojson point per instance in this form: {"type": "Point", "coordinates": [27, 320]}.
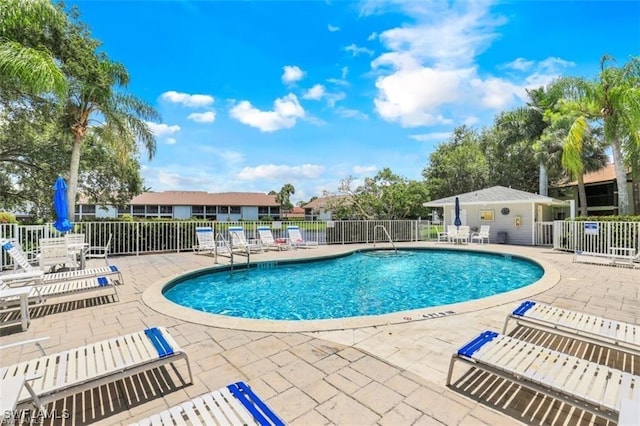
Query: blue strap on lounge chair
{"type": "Point", "coordinates": [103, 281]}
{"type": "Point", "coordinates": [523, 308]}
{"type": "Point", "coordinates": [159, 342]}
{"type": "Point", "coordinates": [113, 268]}
{"type": "Point", "coordinates": [473, 346]}
{"type": "Point", "coordinates": [7, 246]}
{"type": "Point", "coordinates": [248, 398]}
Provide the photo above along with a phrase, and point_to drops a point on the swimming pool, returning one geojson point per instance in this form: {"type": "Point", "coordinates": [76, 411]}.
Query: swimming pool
{"type": "Point", "coordinates": [362, 283]}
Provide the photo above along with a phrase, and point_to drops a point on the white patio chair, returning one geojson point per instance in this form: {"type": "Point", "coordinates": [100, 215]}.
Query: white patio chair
{"type": "Point", "coordinates": [462, 234]}
{"type": "Point", "coordinates": [482, 235]}
{"type": "Point", "coordinates": [296, 240]}
{"type": "Point", "coordinates": [54, 252]}
{"type": "Point", "coordinates": [99, 252]}
{"type": "Point", "coordinates": [239, 241]}
{"type": "Point", "coordinates": [206, 240]}
{"type": "Point", "coordinates": [268, 241]}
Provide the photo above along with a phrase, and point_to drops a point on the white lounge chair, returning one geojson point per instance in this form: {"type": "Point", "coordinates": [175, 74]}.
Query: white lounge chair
{"type": "Point", "coordinates": [42, 291]}
{"type": "Point", "coordinates": [206, 240]}
{"type": "Point", "coordinates": [235, 404]}
{"type": "Point", "coordinates": [20, 260]}
{"type": "Point", "coordinates": [239, 241]}
{"type": "Point", "coordinates": [482, 235]}
{"type": "Point", "coordinates": [53, 377]}
{"type": "Point", "coordinates": [296, 240]}
{"type": "Point", "coordinates": [616, 335]}
{"type": "Point", "coordinates": [597, 389]}
{"type": "Point", "coordinates": [268, 241]}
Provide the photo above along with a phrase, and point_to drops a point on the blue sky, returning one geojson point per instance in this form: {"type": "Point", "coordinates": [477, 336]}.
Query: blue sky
{"type": "Point", "coordinates": [257, 94]}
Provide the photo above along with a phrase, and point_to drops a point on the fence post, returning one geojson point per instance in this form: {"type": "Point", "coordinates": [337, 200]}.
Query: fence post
{"type": "Point", "coordinates": [178, 239]}
{"type": "Point", "coordinates": [137, 238]}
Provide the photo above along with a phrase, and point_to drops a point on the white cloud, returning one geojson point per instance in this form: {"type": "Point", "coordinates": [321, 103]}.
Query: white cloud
{"type": "Point", "coordinates": [292, 73]}
{"type": "Point", "coordinates": [497, 93]}
{"type": "Point", "coordinates": [471, 120]}
{"type": "Point", "coordinates": [161, 129]}
{"type": "Point", "coordinates": [428, 137]}
{"type": "Point", "coordinates": [342, 81]}
{"type": "Point", "coordinates": [171, 141]}
{"type": "Point", "coordinates": [372, 36]}
{"type": "Point", "coordinates": [274, 172]}
{"type": "Point", "coordinates": [284, 115]}
{"type": "Point", "coordinates": [519, 64]}
{"type": "Point", "coordinates": [361, 170]}
{"type": "Point", "coordinates": [202, 117]}
{"type": "Point", "coordinates": [554, 64]}
{"type": "Point", "coordinates": [351, 113]}
{"type": "Point", "coordinates": [187, 99]}
{"type": "Point", "coordinates": [316, 92]}
{"type": "Point", "coordinates": [420, 81]}
{"type": "Point", "coordinates": [412, 95]}
{"type": "Point", "coordinates": [355, 50]}
{"type": "Point", "coordinates": [332, 98]}
{"type": "Point", "coordinates": [333, 29]}
{"type": "Point", "coordinates": [228, 156]}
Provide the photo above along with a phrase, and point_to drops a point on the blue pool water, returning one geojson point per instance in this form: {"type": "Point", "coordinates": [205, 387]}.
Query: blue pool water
{"type": "Point", "coordinates": [363, 283]}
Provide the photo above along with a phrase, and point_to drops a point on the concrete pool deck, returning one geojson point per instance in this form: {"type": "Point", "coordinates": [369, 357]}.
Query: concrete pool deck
{"type": "Point", "coordinates": [376, 374]}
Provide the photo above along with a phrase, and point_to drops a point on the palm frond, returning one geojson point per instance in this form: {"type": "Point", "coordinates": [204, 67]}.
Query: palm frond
{"type": "Point", "coordinates": [572, 151]}
{"type": "Point", "coordinates": [33, 69]}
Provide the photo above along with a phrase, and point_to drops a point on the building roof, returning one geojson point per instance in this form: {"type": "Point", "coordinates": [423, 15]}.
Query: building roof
{"type": "Point", "coordinates": [604, 175]}
{"type": "Point", "coordinates": [494, 195]}
{"type": "Point", "coordinates": [321, 202]}
{"type": "Point", "coordinates": [294, 212]}
{"type": "Point", "coordinates": [201, 198]}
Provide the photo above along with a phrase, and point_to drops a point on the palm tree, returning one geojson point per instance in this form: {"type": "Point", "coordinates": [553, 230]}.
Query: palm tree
{"type": "Point", "coordinates": [97, 97]}
{"type": "Point", "coordinates": [24, 61]}
{"type": "Point", "coordinates": [527, 125]}
{"type": "Point", "coordinates": [284, 196]}
{"type": "Point", "coordinates": [614, 100]}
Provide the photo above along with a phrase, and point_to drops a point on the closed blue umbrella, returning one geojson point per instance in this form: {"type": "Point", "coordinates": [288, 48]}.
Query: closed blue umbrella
{"type": "Point", "coordinates": [457, 222]}
{"type": "Point", "coordinates": [62, 223]}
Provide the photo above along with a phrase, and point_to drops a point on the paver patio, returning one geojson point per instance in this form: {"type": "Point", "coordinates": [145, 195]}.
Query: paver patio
{"type": "Point", "coordinates": [384, 374]}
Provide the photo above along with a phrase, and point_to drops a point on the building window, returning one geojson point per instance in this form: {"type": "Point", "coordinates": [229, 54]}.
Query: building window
{"type": "Point", "coordinates": [124, 210]}
{"type": "Point", "coordinates": [275, 210]}
{"type": "Point", "coordinates": [166, 210]}
{"type": "Point", "coordinates": [263, 210]}
{"type": "Point", "coordinates": [235, 210]}
{"type": "Point", "coordinates": [152, 210]}
{"type": "Point", "coordinates": [138, 210]}
{"type": "Point", "coordinates": [197, 210]}
{"type": "Point", "coordinates": [223, 210]}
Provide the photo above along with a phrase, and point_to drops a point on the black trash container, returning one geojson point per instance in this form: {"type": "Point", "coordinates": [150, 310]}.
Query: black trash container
{"type": "Point", "coordinates": [502, 237]}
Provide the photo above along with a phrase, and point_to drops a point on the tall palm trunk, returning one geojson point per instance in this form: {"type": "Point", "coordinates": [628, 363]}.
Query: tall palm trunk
{"type": "Point", "coordinates": [621, 177]}
{"type": "Point", "coordinates": [543, 185]}
{"type": "Point", "coordinates": [582, 196]}
{"type": "Point", "coordinates": [72, 185]}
